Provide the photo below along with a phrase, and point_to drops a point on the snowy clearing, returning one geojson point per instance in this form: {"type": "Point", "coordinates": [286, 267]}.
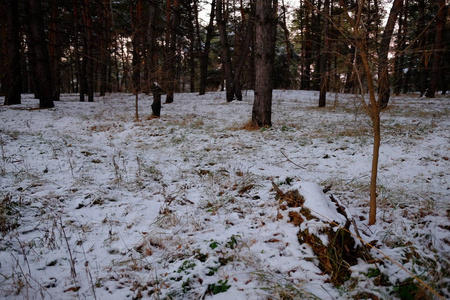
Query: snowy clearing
{"type": "Point", "coordinates": [97, 206]}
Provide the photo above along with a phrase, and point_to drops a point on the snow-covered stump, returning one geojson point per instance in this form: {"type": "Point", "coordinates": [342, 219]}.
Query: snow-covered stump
{"type": "Point", "coordinates": [324, 226]}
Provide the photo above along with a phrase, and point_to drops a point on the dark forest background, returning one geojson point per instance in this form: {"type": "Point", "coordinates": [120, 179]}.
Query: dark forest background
{"type": "Point", "coordinates": [93, 47]}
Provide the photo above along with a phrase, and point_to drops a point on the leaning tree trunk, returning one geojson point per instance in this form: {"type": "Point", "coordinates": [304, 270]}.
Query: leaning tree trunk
{"type": "Point", "coordinates": [37, 38]}
{"type": "Point", "coordinates": [13, 74]}
{"type": "Point", "coordinates": [264, 61]}
{"type": "Point", "coordinates": [384, 88]}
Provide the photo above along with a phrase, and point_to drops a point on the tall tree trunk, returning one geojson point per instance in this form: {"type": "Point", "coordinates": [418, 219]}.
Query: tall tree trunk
{"type": "Point", "coordinates": [26, 80]}
{"type": "Point", "coordinates": [350, 77]}
{"type": "Point", "coordinates": [3, 46]}
{"type": "Point", "coordinates": [105, 15]}
{"type": "Point", "coordinates": [244, 51]}
{"type": "Point", "coordinates": [204, 58]}
{"type": "Point", "coordinates": [31, 56]}
{"type": "Point", "coordinates": [305, 80]}
{"type": "Point", "coordinates": [384, 88]}
{"type": "Point", "coordinates": [225, 51]}
{"type": "Point", "coordinates": [43, 69]}
{"type": "Point", "coordinates": [421, 48]}
{"type": "Point", "coordinates": [287, 42]}
{"type": "Point", "coordinates": [438, 49]}
{"type": "Point", "coordinates": [136, 25]}
{"type": "Point", "coordinates": [54, 51]}
{"type": "Point", "coordinates": [173, 19]}
{"type": "Point", "coordinates": [79, 65]}
{"type": "Point", "coordinates": [12, 70]}
{"type": "Point", "coordinates": [399, 75]}
{"type": "Point", "coordinates": [266, 25]}
{"type": "Point", "coordinates": [192, 53]}
{"type": "Point", "coordinates": [316, 42]}
{"type": "Point", "coordinates": [152, 60]}
{"type": "Point", "coordinates": [88, 58]}
{"type": "Point", "coordinates": [324, 56]}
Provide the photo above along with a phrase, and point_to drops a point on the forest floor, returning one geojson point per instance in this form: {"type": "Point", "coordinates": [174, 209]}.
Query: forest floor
{"type": "Point", "coordinates": [97, 205]}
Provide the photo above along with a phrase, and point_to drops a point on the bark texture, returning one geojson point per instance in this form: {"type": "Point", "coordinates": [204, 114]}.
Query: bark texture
{"type": "Point", "coordinates": [438, 49]}
{"type": "Point", "coordinates": [13, 75]}
{"type": "Point", "coordinates": [266, 19]}
{"type": "Point", "coordinates": [37, 38]}
{"type": "Point", "coordinates": [204, 58]}
{"type": "Point", "coordinates": [384, 88]}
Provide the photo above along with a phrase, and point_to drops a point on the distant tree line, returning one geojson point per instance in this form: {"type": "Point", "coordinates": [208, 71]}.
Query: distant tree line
{"type": "Point", "coordinates": [94, 47]}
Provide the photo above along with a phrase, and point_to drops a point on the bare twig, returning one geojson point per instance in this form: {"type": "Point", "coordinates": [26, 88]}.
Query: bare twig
{"type": "Point", "coordinates": [289, 160]}
{"type": "Point", "coordinates": [73, 272]}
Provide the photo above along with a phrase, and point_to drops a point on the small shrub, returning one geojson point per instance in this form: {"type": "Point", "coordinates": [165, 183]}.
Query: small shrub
{"type": "Point", "coordinates": [407, 290]}
{"type": "Point", "coordinates": [8, 215]}
{"type": "Point", "coordinates": [213, 245]}
{"type": "Point", "coordinates": [219, 287]}
{"type": "Point", "coordinates": [232, 243]}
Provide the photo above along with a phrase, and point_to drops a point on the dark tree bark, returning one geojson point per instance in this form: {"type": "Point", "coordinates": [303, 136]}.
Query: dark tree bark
{"type": "Point", "coordinates": [384, 88]}
{"type": "Point", "coordinates": [266, 25]}
{"type": "Point", "coordinates": [37, 38]}
{"type": "Point", "coordinates": [287, 42]}
{"type": "Point", "coordinates": [137, 35]}
{"type": "Point", "coordinates": [173, 19]}
{"type": "Point", "coordinates": [399, 76]}
{"type": "Point", "coordinates": [243, 39]}
{"type": "Point", "coordinates": [105, 19]}
{"type": "Point", "coordinates": [88, 55]}
{"type": "Point", "coordinates": [438, 49]}
{"type": "Point", "coordinates": [225, 51]}
{"type": "Point", "coordinates": [3, 46]}
{"type": "Point", "coordinates": [157, 91]}
{"type": "Point", "coordinates": [192, 50]}
{"type": "Point", "coordinates": [31, 57]}
{"type": "Point", "coordinates": [204, 58]}
{"type": "Point", "coordinates": [243, 51]}
{"type": "Point", "coordinates": [324, 56]}
{"type": "Point", "coordinates": [350, 76]}
{"type": "Point", "coordinates": [12, 69]}
{"type": "Point", "coordinates": [79, 69]}
{"type": "Point", "coordinates": [54, 50]}
{"type": "Point", "coordinates": [305, 79]}
{"type": "Point", "coordinates": [421, 48]}
{"type": "Point", "coordinates": [152, 59]}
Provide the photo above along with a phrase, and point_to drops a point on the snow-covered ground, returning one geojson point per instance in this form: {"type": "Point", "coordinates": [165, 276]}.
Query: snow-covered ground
{"type": "Point", "coordinates": [96, 205]}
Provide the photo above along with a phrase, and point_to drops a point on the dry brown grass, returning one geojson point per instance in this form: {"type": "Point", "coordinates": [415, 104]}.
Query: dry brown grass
{"type": "Point", "coordinates": [248, 126]}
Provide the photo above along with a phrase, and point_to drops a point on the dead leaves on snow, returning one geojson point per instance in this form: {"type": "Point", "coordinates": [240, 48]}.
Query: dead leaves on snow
{"type": "Point", "coordinates": [335, 256]}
